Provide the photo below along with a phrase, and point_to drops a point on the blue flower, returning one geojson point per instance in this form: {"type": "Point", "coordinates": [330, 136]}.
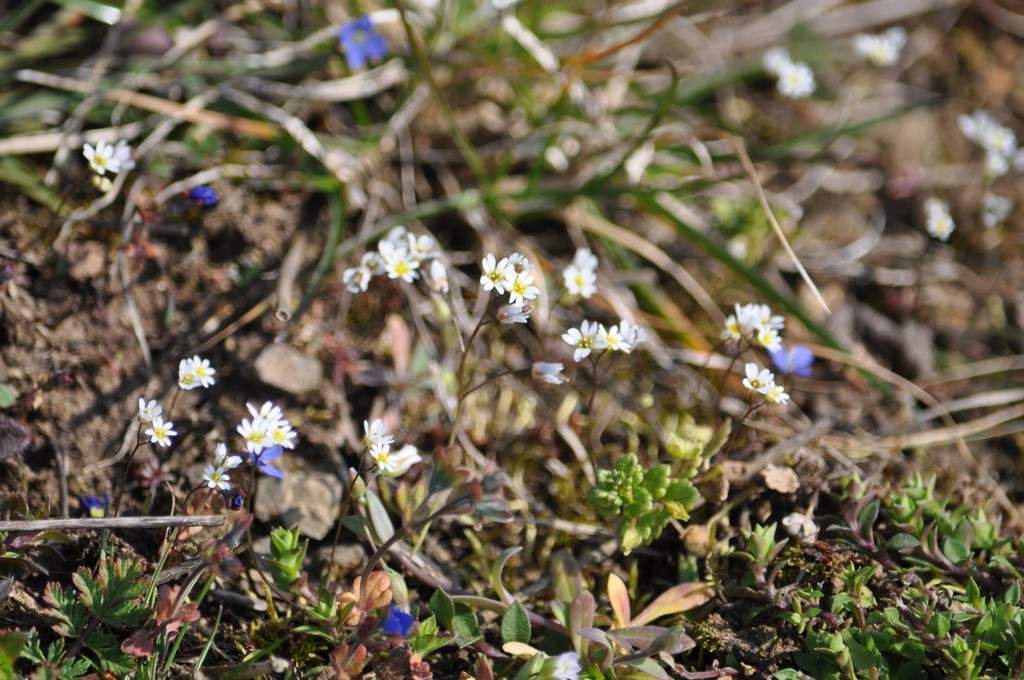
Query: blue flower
{"type": "Point", "coordinates": [797, 360]}
{"type": "Point", "coordinates": [397, 623]}
{"type": "Point", "coordinates": [260, 461]}
{"type": "Point", "coordinates": [362, 42]}
{"type": "Point", "coordinates": [94, 506]}
{"type": "Point", "coordinates": [203, 195]}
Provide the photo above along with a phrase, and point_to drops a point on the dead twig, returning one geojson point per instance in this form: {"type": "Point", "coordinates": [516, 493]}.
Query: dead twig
{"type": "Point", "coordinates": [85, 523]}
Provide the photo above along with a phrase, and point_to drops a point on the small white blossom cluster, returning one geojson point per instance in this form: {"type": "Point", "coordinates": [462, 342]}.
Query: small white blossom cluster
{"type": "Point", "coordinates": [378, 445]}
{"type": "Point", "coordinates": [216, 474]}
{"type": "Point", "coordinates": [882, 49]}
{"type": "Point", "coordinates": [104, 158]}
{"type": "Point", "coordinates": [267, 428]}
{"type": "Point", "coordinates": [580, 277]}
{"type": "Point", "coordinates": [562, 667]}
{"type": "Point", "coordinates": [994, 209]}
{"type": "Point", "coordinates": [937, 220]}
{"type": "Point", "coordinates": [195, 372]}
{"type": "Point", "coordinates": [159, 432]}
{"type": "Point", "coordinates": [400, 255]}
{"type": "Point", "coordinates": [592, 336]}
{"type": "Point", "coordinates": [543, 371]}
{"type": "Point", "coordinates": [513, 275]}
{"type": "Point", "coordinates": [794, 79]}
{"type": "Point", "coordinates": [998, 141]}
{"type": "Point", "coordinates": [756, 324]}
{"type": "Point", "coordinates": [762, 381]}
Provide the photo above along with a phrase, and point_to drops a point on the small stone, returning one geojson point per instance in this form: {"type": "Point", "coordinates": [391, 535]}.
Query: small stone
{"type": "Point", "coordinates": [309, 499]}
{"type": "Point", "coordinates": [288, 369]}
{"type": "Point", "coordinates": [86, 260]}
{"type": "Point", "coordinates": [780, 478]}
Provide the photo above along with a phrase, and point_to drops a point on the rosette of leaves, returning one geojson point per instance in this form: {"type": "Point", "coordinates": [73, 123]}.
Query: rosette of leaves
{"type": "Point", "coordinates": [643, 499]}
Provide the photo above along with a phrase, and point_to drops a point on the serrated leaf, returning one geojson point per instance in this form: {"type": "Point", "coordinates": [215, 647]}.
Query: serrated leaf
{"type": "Point", "coordinates": [903, 541]}
{"type": "Point", "coordinates": [515, 624]}
{"type": "Point", "coordinates": [442, 606]}
{"type": "Point", "coordinates": [680, 598]}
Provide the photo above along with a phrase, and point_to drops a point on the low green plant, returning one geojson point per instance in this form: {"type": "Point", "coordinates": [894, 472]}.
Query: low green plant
{"type": "Point", "coordinates": [643, 499]}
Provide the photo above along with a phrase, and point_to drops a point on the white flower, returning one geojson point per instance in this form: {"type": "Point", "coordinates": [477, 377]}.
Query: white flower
{"type": "Point", "coordinates": [357, 279]}
{"type": "Point", "coordinates": [216, 478]}
{"type": "Point", "coordinates": [613, 340]}
{"type": "Point", "coordinates": [776, 394]}
{"type": "Point", "coordinates": [796, 81]}
{"type": "Point", "coordinates": [510, 314]}
{"type": "Point", "coordinates": [579, 281]}
{"type": "Point", "coordinates": [497, 276]}
{"type": "Point", "coordinates": [381, 455]}
{"type": "Point", "coordinates": [633, 335]}
{"type": "Point", "coordinates": [202, 371]}
{"type": "Point", "coordinates": [102, 159]}
{"type": "Point", "coordinates": [585, 259]}
{"type": "Point", "coordinates": [268, 413]}
{"type": "Point", "coordinates": [938, 222]}
{"type": "Point", "coordinates": [422, 247]}
{"type": "Point", "coordinates": [562, 667]}
{"type": "Point", "coordinates": [519, 263]}
{"type": "Point", "coordinates": [548, 372]}
{"type": "Point", "coordinates": [256, 435]}
{"type": "Point", "coordinates": [758, 379]}
{"type": "Point", "coordinates": [123, 156]}
{"type": "Point", "coordinates": [985, 131]}
{"type": "Point", "coordinates": [147, 412]}
{"type": "Point", "coordinates": [372, 261]}
{"type": "Point", "coordinates": [882, 49]}
{"type": "Point", "coordinates": [221, 459]}
{"type": "Point", "coordinates": [398, 263]}
{"type": "Point", "coordinates": [396, 464]}
{"type": "Point", "coordinates": [776, 60]}
{"type": "Point", "coordinates": [376, 434]}
{"type": "Point", "coordinates": [589, 336]}
{"type": "Point", "coordinates": [996, 165]}
{"type": "Point", "coordinates": [160, 432]}
{"type": "Point", "coordinates": [994, 209]}
{"type": "Point", "coordinates": [801, 527]}
{"type": "Point", "coordinates": [437, 278]}
{"type": "Point", "coordinates": [768, 337]}
{"type": "Point", "coordinates": [282, 434]}
{"type": "Point", "coordinates": [522, 289]}
{"type": "Point", "coordinates": [195, 372]}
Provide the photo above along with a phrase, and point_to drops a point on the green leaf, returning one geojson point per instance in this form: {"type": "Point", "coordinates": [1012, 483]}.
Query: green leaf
{"type": "Point", "coordinates": [14, 171]}
{"type": "Point", "coordinates": [464, 626]}
{"type": "Point", "coordinates": [515, 624]}
{"type": "Point", "coordinates": [867, 516]}
{"type": "Point", "coordinates": [496, 574]}
{"type": "Point", "coordinates": [903, 541]}
{"type": "Point", "coordinates": [7, 396]}
{"type": "Point", "coordinates": [443, 608]}
{"type": "Point", "coordinates": [11, 645]}
{"type": "Point", "coordinates": [955, 550]}
{"type": "Point", "coordinates": [680, 598]}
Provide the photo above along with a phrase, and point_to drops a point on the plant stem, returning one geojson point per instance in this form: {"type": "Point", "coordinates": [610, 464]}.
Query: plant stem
{"type": "Point", "coordinates": [461, 375]}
